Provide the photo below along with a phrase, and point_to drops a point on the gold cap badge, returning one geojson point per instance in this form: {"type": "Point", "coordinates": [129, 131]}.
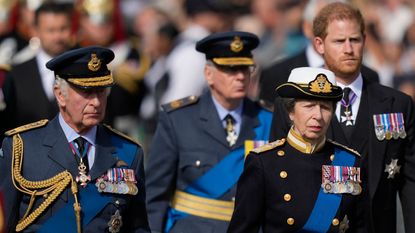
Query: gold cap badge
{"type": "Point", "coordinates": [320, 84]}
{"type": "Point", "coordinates": [237, 45]}
{"type": "Point", "coordinates": [95, 63]}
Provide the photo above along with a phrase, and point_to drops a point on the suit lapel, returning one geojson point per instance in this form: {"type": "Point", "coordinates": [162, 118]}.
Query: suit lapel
{"type": "Point", "coordinates": [210, 121]}
{"type": "Point", "coordinates": [104, 158]}
{"type": "Point", "coordinates": [377, 104]}
{"type": "Point", "coordinates": [359, 137]}
{"type": "Point", "coordinates": [60, 151]}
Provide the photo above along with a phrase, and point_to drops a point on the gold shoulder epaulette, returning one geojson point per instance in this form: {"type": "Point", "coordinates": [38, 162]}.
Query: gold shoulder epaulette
{"type": "Point", "coordinates": [269, 146]}
{"type": "Point", "coordinates": [174, 105]}
{"type": "Point", "coordinates": [266, 105]}
{"type": "Point", "coordinates": [344, 147]}
{"type": "Point", "coordinates": [27, 127]}
{"type": "Point", "coordinates": [121, 134]}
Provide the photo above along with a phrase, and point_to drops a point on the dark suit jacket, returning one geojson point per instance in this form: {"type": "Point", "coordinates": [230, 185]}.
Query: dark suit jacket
{"type": "Point", "coordinates": [25, 97]}
{"type": "Point", "coordinates": [278, 73]}
{"type": "Point", "coordinates": [188, 142]}
{"type": "Point", "coordinates": [47, 153]}
{"type": "Point", "coordinates": [260, 199]}
{"type": "Point", "coordinates": [376, 99]}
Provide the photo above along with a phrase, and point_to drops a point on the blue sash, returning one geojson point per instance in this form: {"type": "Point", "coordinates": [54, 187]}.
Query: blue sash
{"type": "Point", "coordinates": [327, 204]}
{"type": "Point", "coordinates": [213, 184]}
{"type": "Point", "coordinates": [92, 201]}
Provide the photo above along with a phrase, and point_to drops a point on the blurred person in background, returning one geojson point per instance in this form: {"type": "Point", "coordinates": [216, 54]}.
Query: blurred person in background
{"type": "Point", "coordinates": [101, 23]}
{"type": "Point", "coordinates": [28, 86]}
{"type": "Point", "coordinates": [184, 65]}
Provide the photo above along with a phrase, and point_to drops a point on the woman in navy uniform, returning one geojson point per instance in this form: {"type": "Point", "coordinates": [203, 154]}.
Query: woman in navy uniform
{"type": "Point", "coordinates": [302, 183]}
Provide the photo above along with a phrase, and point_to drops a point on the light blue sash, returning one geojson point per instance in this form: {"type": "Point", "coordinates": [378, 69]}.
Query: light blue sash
{"type": "Point", "coordinates": [92, 201]}
{"type": "Point", "coordinates": [213, 184]}
{"type": "Point", "coordinates": [327, 204]}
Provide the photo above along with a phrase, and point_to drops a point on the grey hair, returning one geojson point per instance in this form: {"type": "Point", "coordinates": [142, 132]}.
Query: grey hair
{"type": "Point", "coordinates": [62, 84]}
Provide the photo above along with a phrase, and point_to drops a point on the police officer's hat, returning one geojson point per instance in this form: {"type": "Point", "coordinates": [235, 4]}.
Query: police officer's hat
{"type": "Point", "coordinates": [311, 83]}
{"type": "Point", "coordinates": [229, 48]}
{"type": "Point", "coordinates": [84, 67]}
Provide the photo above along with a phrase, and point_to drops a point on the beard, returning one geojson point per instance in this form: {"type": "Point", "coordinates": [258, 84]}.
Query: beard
{"type": "Point", "coordinates": [344, 67]}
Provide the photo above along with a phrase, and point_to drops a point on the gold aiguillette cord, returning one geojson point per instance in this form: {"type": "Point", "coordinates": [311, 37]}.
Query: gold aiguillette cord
{"type": "Point", "coordinates": [50, 188]}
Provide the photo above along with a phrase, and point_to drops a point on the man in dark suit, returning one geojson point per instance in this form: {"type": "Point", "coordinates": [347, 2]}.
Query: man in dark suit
{"type": "Point", "coordinates": [28, 87]}
{"type": "Point", "coordinates": [73, 174]}
{"type": "Point", "coordinates": [278, 73]}
{"type": "Point", "coordinates": [375, 120]}
{"type": "Point", "coordinates": [198, 149]}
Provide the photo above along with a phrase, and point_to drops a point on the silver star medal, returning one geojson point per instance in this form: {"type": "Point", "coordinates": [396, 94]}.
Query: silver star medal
{"type": "Point", "coordinates": [115, 222]}
{"type": "Point", "coordinates": [231, 138]}
{"type": "Point", "coordinates": [344, 225]}
{"type": "Point", "coordinates": [348, 118]}
{"type": "Point", "coordinates": [392, 169]}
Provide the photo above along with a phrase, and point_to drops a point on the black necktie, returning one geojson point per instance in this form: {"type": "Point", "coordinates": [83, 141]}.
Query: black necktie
{"type": "Point", "coordinates": [230, 130]}
{"type": "Point", "coordinates": [80, 142]}
{"type": "Point", "coordinates": [346, 113]}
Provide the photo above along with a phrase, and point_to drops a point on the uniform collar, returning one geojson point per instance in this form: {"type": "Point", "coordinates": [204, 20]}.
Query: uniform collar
{"type": "Point", "coordinates": [71, 135]}
{"type": "Point", "coordinates": [298, 142]}
{"type": "Point", "coordinates": [236, 113]}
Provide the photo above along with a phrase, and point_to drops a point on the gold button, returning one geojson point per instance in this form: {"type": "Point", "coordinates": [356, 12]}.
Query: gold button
{"type": "Point", "coordinates": [280, 153]}
{"type": "Point", "coordinates": [331, 157]}
{"type": "Point", "coordinates": [290, 221]}
{"type": "Point", "coordinates": [287, 197]}
{"type": "Point", "coordinates": [335, 222]}
{"type": "Point", "coordinates": [197, 163]}
{"type": "Point", "coordinates": [283, 174]}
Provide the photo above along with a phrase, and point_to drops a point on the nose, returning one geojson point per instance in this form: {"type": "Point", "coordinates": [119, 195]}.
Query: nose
{"type": "Point", "coordinates": [348, 48]}
{"type": "Point", "coordinates": [95, 99]}
{"type": "Point", "coordinates": [317, 114]}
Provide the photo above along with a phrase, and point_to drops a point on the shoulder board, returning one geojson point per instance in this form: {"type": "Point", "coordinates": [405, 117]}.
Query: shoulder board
{"type": "Point", "coordinates": [27, 127]}
{"type": "Point", "coordinates": [266, 105]}
{"type": "Point", "coordinates": [121, 134]}
{"type": "Point", "coordinates": [269, 146]}
{"type": "Point", "coordinates": [174, 105]}
{"type": "Point", "coordinates": [344, 147]}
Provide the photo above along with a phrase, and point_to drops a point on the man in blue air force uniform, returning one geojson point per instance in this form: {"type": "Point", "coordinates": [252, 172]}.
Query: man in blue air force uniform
{"type": "Point", "coordinates": [73, 174]}
{"type": "Point", "coordinates": [198, 149]}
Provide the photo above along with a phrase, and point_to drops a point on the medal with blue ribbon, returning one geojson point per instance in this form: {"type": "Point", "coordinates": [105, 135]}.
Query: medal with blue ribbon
{"type": "Point", "coordinates": [389, 125]}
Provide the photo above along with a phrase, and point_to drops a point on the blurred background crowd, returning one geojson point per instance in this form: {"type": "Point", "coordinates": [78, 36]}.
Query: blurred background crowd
{"type": "Point", "coordinates": [154, 40]}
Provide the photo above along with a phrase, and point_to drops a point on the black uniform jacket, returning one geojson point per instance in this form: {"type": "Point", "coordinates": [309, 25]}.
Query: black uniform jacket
{"type": "Point", "coordinates": [46, 152]}
{"type": "Point", "coordinates": [26, 100]}
{"type": "Point", "coordinates": [279, 187]}
{"type": "Point", "coordinates": [376, 154]}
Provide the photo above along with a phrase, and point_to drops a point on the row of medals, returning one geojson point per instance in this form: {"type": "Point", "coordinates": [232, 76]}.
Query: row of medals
{"type": "Point", "coordinates": [351, 187]}
{"type": "Point", "coordinates": [382, 132]}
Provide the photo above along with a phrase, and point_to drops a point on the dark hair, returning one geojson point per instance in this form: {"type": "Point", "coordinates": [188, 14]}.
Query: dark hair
{"type": "Point", "coordinates": [55, 8]}
{"type": "Point", "coordinates": [289, 104]}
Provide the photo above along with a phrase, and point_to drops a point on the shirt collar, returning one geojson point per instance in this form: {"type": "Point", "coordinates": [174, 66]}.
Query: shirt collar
{"type": "Point", "coordinates": [356, 86]}
{"type": "Point", "coordinates": [236, 113]}
{"type": "Point", "coordinates": [71, 135]}
{"type": "Point", "coordinates": [298, 142]}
